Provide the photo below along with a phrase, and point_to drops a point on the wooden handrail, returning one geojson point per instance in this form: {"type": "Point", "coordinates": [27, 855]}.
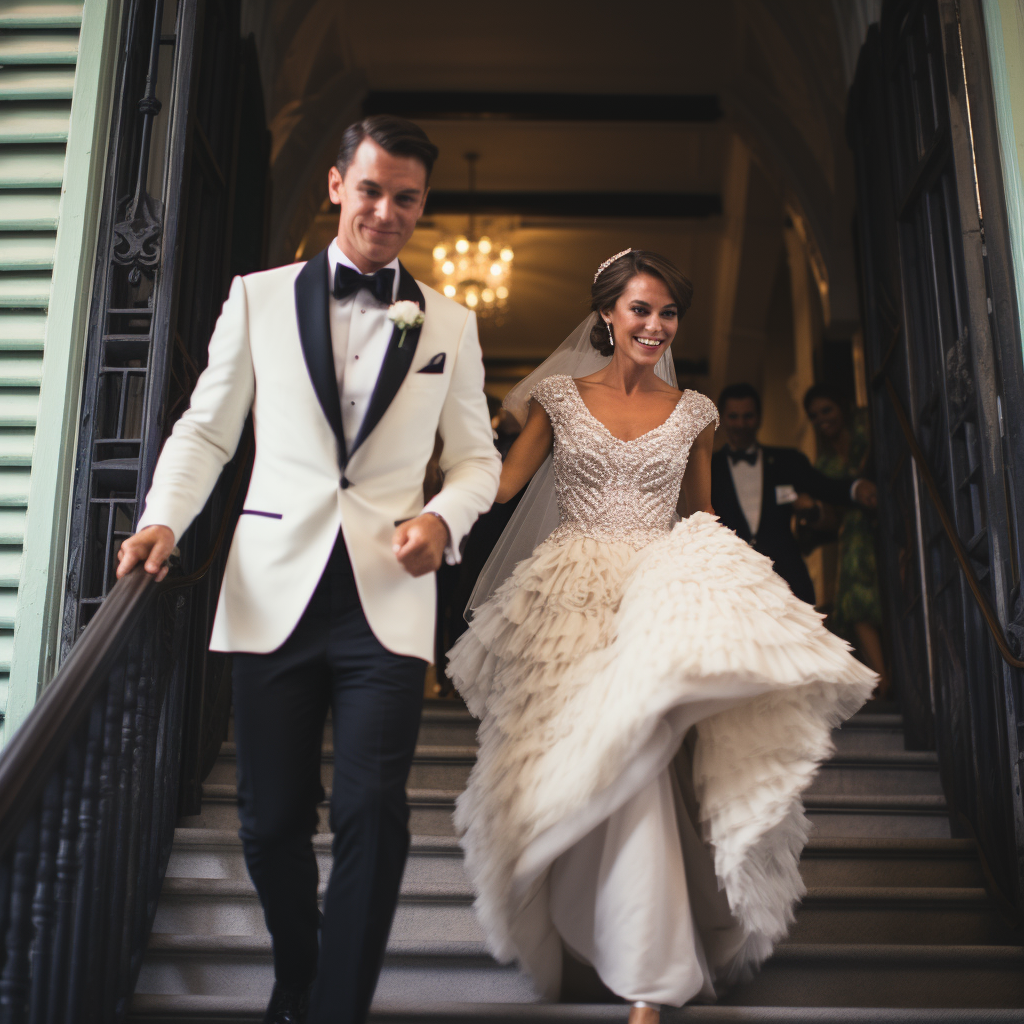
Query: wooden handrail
{"type": "Point", "coordinates": [35, 749]}
{"type": "Point", "coordinates": [991, 620]}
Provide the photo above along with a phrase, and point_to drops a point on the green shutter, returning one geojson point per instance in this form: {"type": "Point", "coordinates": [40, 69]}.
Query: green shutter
{"type": "Point", "coordinates": [38, 51]}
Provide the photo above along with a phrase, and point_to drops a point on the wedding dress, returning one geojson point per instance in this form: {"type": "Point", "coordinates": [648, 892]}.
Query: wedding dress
{"type": "Point", "coordinates": [588, 822]}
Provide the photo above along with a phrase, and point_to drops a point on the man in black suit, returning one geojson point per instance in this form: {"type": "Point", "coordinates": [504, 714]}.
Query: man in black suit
{"type": "Point", "coordinates": [755, 490]}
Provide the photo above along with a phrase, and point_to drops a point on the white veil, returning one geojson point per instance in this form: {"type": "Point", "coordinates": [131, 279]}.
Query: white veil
{"type": "Point", "coordinates": [537, 514]}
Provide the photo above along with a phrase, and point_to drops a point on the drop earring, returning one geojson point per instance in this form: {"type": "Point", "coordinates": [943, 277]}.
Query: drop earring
{"type": "Point", "coordinates": [611, 337]}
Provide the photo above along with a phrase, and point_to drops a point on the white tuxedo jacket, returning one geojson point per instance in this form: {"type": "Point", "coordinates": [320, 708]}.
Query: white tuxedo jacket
{"type": "Point", "coordinates": [271, 352]}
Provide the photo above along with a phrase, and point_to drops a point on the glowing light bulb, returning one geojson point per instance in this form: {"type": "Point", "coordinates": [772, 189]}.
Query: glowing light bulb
{"type": "Point", "coordinates": [471, 299]}
{"type": "Point", "coordinates": [440, 252]}
{"type": "Point", "coordinates": [501, 292]}
{"type": "Point", "coordinates": [507, 255]}
{"type": "Point", "coordinates": [484, 245]}
{"type": "Point", "coordinates": [447, 267]}
{"type": "Point", "coordinates": [462, 245]}
{"type": "Point", "coordinates": [487, 295]}
{"type": "Point", "coordinates": [496, 269]}
{"type": "Point", "coordinates": [449, 290]}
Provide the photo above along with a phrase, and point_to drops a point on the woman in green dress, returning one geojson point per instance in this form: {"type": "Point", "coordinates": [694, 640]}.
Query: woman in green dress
{"type": "Point", "coordinates": [844, 444]}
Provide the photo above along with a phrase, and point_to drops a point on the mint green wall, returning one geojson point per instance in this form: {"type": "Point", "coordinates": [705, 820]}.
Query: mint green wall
{"type": "Point", "coordinates": [55, 69]}
{"type": "Point", "coordinates": [1004, 29]}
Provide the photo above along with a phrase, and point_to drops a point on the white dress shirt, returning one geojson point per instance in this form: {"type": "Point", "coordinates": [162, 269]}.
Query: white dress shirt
{"type": "Point", "coordinates": [748, 480]}
{"type": "Point", "coordinates": [749, 483]}
{"type": "Point", "coordinates": [360, 332]}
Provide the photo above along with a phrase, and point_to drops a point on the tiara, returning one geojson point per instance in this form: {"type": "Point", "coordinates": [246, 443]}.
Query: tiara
{"type": "Point", "coordinates": [607, 263]}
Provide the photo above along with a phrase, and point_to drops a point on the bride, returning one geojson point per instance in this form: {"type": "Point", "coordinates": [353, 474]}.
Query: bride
{"type": "Point", "coordinates": [653, 699]}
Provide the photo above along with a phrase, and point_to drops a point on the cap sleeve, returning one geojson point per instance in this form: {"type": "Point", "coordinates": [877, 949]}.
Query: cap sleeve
{"type": "Point", "coordinates": [552, 393]}
{"type": "Point", "coordinates": [704, 410]}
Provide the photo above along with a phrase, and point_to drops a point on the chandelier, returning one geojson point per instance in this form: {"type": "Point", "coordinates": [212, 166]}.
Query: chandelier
{"type": "Point", "coordinates": [475, 268]}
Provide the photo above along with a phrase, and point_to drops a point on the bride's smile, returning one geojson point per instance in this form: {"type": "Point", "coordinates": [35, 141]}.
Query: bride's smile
{"type": "Point", "coordinates": [643, 320]}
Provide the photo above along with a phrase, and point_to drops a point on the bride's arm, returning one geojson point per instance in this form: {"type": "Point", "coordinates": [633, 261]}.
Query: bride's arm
{"type": "Point", "coordinates": [696, 491]}
{"type": "Point", "coordinates": [527, 454]}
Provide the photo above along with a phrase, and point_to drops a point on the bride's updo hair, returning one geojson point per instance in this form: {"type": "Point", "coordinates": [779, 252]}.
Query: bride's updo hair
{"type": "Point", "coordinates": [612, 281]}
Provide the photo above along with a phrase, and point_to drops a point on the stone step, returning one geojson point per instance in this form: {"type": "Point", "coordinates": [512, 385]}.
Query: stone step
{"type": "Point", "coordinates": [798, 974]}
{"type": "Point", "coordinates": [157, 1009]}
{"type": "Point", "coordinates": [212, 853]}
{"type": "Point", "coordinates": [915, 915]}
{"type": "Point", "coordinates": [944, 977]}
{"type": "Point", "coordinates": [890, 816]}
{"type": "Point", "coordinates": [908, 772]}
{"type": "Point", "coordinates": [217, 853]}
{"type": "Point", "coordinates": [431, 906]}
{"type": "Point", "coordinates": [434, 766]}
{"type": "Point", "coordinates": [443, 723]}
{"type": "Point", "coordinates": [414, 974]}
{"type": "Point", "coordinates": [869, 734]}
{"type": "Point", "coordinates": [448, 723]}
{"type": "Point", "coordinates": [590, 1012]}
{"type": "Point", "coordinates": [448, 767]}
{"type": "Point", "coordinates": [894, 862]}
{"type": "Point", "coordinates": [911, 817]}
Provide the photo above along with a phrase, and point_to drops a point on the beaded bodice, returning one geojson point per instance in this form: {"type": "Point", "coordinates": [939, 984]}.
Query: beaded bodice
{"type": "Point", "coordinates": [614, 489]}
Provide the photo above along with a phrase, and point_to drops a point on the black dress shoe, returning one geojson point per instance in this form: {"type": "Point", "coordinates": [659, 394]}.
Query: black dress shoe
{"type": "Point", "coordinates": [287, 1005]}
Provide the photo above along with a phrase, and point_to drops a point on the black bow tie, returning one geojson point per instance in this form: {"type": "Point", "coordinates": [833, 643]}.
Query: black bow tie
{"type": "Point", "coordinates": [747, 456]}
{"type": "Point", "coordinates": [348, 281]}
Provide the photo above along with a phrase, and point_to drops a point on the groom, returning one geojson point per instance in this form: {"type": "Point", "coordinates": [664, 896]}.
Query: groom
{"type": "Point", "coordinates": [328, 593]}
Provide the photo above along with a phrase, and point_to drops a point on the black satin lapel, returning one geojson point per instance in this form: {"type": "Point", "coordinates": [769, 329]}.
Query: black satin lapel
{"type": "Point", "coordinates": [313, 314]}
{"type": "Point", "coordinates": [396, 360]}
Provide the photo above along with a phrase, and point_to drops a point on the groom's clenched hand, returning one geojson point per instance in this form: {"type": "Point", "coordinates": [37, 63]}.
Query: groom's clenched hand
{"type": "Point", "coordinates": [419, 544]}
{"type": "Point", "coordinates": [152, 545]}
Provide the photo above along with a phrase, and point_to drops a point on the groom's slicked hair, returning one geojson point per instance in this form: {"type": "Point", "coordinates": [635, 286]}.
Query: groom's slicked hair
{"type": "Point", "coordinates": [395, 135]}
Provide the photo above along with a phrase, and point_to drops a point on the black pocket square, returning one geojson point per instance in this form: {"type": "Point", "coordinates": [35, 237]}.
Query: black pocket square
{"type": "Point", "coordinates": [436, 365]}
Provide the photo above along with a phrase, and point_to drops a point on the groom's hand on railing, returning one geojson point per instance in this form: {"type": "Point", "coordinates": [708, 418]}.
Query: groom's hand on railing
{"type": "Point", "coordinates": [153, 546]}
{"type": "Point", "coordinates": [419, 544]}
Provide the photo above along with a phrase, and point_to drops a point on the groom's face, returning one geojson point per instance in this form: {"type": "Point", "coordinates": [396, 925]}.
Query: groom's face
{"type": "Point", "coordinates": [381, 198]}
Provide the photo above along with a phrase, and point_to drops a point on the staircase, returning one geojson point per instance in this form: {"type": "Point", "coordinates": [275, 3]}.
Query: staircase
{"type": "Point", "coordinates": [895, 915]}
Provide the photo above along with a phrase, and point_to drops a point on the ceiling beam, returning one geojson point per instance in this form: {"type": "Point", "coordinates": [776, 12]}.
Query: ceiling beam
{"type": "Point", "coordinates": [576, 204]}
{"type": "Point", "coordinates": [542, 106]}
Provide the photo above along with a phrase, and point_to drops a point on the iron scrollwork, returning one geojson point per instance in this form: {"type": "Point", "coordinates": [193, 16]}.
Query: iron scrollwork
{"type": "Point", "coordinates": [137, 237]}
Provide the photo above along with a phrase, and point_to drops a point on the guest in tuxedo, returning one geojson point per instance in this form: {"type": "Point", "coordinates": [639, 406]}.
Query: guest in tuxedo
{"type": "Point", "coordinates": [350, 368]}
{"type": "Point", "coordinates": [755, 489]}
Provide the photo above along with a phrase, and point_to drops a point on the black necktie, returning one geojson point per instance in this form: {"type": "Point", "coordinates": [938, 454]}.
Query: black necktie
{"type": "Point", "coordinates": [747, 456]}
{"type": "Point", "coordinates": [348, 281]}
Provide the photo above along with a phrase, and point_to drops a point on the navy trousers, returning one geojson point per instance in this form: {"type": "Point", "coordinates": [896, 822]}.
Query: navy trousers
{"type": "Point", "coordinates": [331, 661]}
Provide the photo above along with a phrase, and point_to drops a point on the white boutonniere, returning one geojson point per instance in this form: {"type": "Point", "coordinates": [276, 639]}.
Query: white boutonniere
{"type": "Point", "coordinates": [405, 315]}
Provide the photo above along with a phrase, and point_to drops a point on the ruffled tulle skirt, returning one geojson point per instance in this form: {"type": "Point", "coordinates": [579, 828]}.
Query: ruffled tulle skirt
{"type": "Point", "coordinates": [588, 823]}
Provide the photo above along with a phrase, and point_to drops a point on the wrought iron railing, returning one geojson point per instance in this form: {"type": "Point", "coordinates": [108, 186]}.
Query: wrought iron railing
{"type": "Point", "coordinates": [88, 804]}
{"type": "Point", "coordinates": [93, 782]}
{"type": "Point", "coordinates": [178, 221]}
{"type": "Point", "coordinates": [944, 350]}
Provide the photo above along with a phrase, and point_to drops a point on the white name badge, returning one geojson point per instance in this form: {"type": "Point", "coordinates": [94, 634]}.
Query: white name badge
{"type": "Point", "coordinates": [785, 494]}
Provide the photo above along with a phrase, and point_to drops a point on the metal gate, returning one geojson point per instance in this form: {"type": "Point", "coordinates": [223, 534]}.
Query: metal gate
{"type": "Point", "coordinates": [947, 397]}
{"type": "Point", "coordinates": [179, 221]}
